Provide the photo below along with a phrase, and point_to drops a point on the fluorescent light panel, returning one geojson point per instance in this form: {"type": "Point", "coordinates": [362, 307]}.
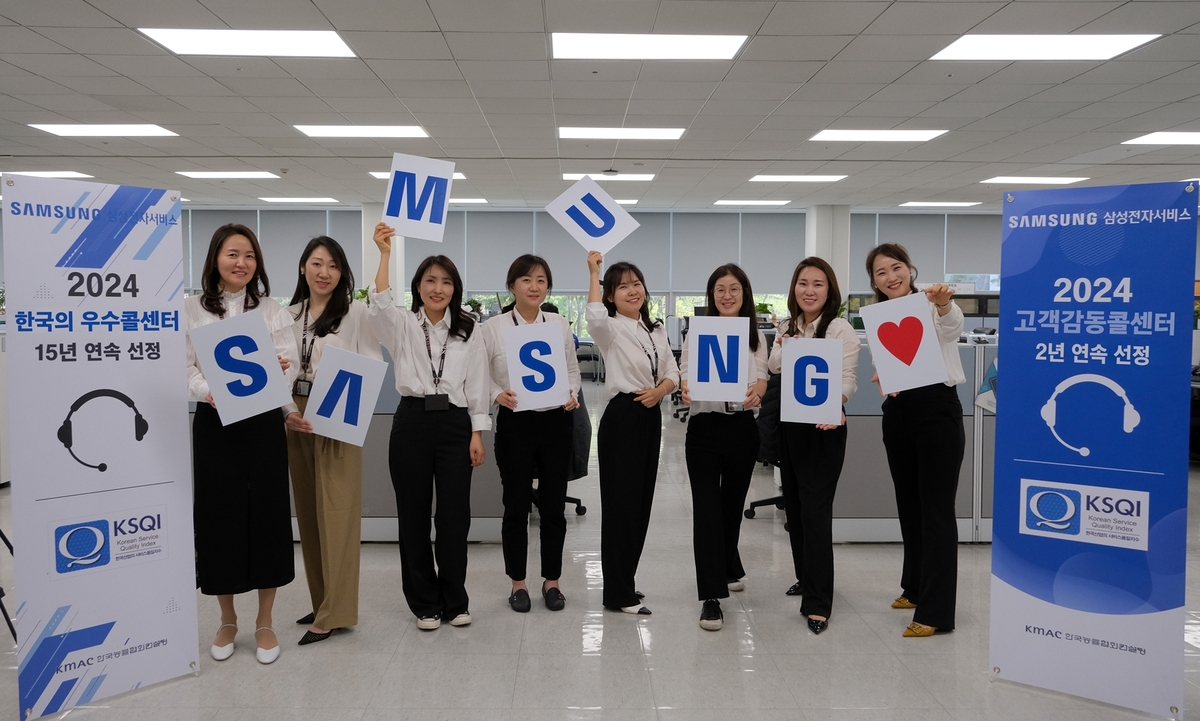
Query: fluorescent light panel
{"type": "Point", "coordinates": [618, 46]}
{"type": "Point", "coordinates": [385, 174]}
{"type": "Point", "coordinates": [936, 204]}
{"type": "Point", "coordinates": [267, 43]}
{"type": "Point", "coordinates": [626, 202]}
{"type": "Point", "coordinates": [299, 200]}
{"type": "Point", "coordinates": [1041, 47]}
{"type": "Point", "coordinates": [47, 173]}
{"type": "Point", "coordinates": [362, 131]}
{"type": "Point", "coordinates": [752, 202]}
{"type": "Point", "coordinates": [620, 133]}
{"type": "Point", "coordinates": [797, 178]}
{"type": "Point", "coordinates": [1030, 180]}
{"type": "Point", "coordinates": [226, 175]}
{"type": "Point", "coordinates": [1166, 138]}
{"type": "Point", "coordinates": [471, 201]}
{"type": "Point", "coordinates": [878, 136]}
{"type": "Point", "coordinates": [78, 130]}
{"type": "Point", "coordinates": [601, 177]}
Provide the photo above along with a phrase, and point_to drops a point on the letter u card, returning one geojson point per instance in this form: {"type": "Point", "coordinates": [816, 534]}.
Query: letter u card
{"type": "Point", "coordinates": [343, 395]}
{"type": "Point", "coordinates": [537, 365]}
{"type": "Point", "coordinates": [812, 381]}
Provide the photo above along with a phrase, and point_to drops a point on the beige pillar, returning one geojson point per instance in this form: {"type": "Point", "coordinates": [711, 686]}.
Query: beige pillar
{"type": "Point", "coordinates": [372, 213]}
{"type": "Point", "coordinates": [827, 236]}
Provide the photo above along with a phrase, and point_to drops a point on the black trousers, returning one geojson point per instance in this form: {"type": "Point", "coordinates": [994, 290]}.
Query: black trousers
{"type": "Point", "coordinates": [810, 465]}
{"type": "Point", "coordinates": [428, 450]}
{"type": "Point", "coordinates": [628, 446]}
{"type": "Point", "coordinates": [721, 450]}
{"type": "Point", "coordinates": [533, 444]}
{"type": "Point", "coordinates": [924, 437]}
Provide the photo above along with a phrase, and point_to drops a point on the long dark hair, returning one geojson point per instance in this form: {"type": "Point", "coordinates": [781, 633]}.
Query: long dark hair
{"type": "Point", "coordinates": [833, 298]}
{"type": "Point", "coordinates": [747, 309]}
{"type": "Point", "coordinates": [613, 277]}
{"type": "Point", "coordinates": [210, 277]}
{"type": "Point", "coordinates": [461, 323]}
{"type": "Point", "coordinates": [895, 251]}
{"type": "Point", "coordinates": [343, 294]}
{"type": "Point", "coordinates": [521, 267]}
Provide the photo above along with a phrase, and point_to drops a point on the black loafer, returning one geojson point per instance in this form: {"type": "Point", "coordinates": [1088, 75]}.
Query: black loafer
{"type": "Point", "coordinates": [307, 620]}
{"type": "Point", "coordinates": [555, 600]}
{"type": "Point", "coordinates": [519, 601]}
{"type": "Point", "coordinates": [817, 626]}
{"type": "Point", "coordinates": [795, 590]}
{"type": "Point", "coordinates": [310, 637]}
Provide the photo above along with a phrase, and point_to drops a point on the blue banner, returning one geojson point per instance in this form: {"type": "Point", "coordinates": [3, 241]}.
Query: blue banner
{"type": "Point", "coordinates": [1089, 533]}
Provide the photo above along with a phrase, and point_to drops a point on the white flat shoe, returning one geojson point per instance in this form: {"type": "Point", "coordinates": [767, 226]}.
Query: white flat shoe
{"type": "Point", "coordinates": [462, 619]}
{"type": "Point", "coordinates": [267, 655]}
{"type": "Point", "coordinates": [638, 610]}
{"type": "Point", "coordinates": [220, 653]}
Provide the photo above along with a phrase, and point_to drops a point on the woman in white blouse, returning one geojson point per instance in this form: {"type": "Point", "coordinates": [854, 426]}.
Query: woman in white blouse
{"type": "Point", "coordinates": [241, 510]}
{"type": "Point", "coordinates": [326, 473]}
{"type": "Point", "coordinates": [640, 371]}
{"type": "Point", "coordinates": [437, 433]}
{"type": "Point", "coordinates": [811, 455]}
{"type": "Point", "coordinates": [531, 444]}
{"type": "Point", "coordinates": [721, 449]}
{"type": "Point", "coordinates": [924, 437]}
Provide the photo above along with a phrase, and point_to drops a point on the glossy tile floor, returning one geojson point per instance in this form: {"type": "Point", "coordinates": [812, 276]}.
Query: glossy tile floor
{"type": "Point", "coordinates": [585, 663]}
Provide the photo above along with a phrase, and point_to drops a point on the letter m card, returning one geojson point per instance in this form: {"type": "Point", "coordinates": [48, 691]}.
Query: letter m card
{"type": "Point", "coordinates": [238, 360]}
{"type": "Point", "coordinates": [418, 194]}
{"type": "Point", "coordinates": [718, 358]}
{"type": "Point", "coordinates": [591, 216]}
{"type": "Point", "coordinates": [812, 381]}
{"type": "Point", "coordinates": [343, 395]}
{"type": "Point", "coordinates": [537, 365]}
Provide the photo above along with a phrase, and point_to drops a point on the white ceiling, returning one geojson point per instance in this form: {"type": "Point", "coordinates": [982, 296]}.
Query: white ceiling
{"type": "Point", "coordinates": [477, 75]}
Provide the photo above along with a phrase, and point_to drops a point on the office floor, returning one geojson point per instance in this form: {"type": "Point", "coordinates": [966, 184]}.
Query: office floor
{"type": "Point", "coordinates": [587, 663]}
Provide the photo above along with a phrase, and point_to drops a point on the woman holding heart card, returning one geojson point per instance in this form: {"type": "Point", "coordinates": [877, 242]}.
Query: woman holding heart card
{"type": "Point", "coordinates": [924, 438]}
{"type": "Point", "coordinates": [811, 455]}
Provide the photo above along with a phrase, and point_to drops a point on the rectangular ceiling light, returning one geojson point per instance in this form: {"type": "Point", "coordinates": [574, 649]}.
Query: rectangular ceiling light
{"type": "Point", "coordinates": [78, 130]}
{"type": "Point", "coordinates": [299, 200]}
{"type": "Point", "coordinates": [797, 178]}
{"type": "Point", "coordinates": [752, 202]}
{"type": "Point", "coordinates": [226, 174]}
{"type": "Point", "coordinates": [1041, 47]}
{"type": "Point", "coordinates": [601, 176]}
{"type": "Point", "coordinates": [469, 201]}
{"type": "Point", "coordinates": [267, 43]}
{"type": "Point", "coordinates": [936, 204]}
{"type": "Point", "coordinates": [620, 133]}
{"type": "Point", "coordinates": [47, 173]}
{"type": "Point", "coordinates": [618, 46]}
{"type": "Point", "coordinates": [1171, 138]}
{"type": "Point", "coordinates": [626, 202]}
{"type": "Point", "coordinates": [1031, 180]}
{"type": "Point", "coordinates": [878, 136]}
{"type": "Point", "coordinates": [362, 131]}
{"type": "Point", "coordinates": [384, 175]}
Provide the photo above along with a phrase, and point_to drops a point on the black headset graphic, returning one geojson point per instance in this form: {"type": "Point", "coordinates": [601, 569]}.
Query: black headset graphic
{"type": "Point", "coordinates": [1130, 419]}
{"type": "Point", "coordinates": [140, 426]}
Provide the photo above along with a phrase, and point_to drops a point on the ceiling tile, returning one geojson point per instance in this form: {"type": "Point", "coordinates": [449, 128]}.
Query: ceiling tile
{"type": "Point", "coordinates": [267, 14]}
{"type": "Point", "coordinates": [685, 70]}
{"type": "Point", "coordinates": [1044, 17]}
{"type": "Point", "coordinates": [237, 67]}
{"type": "Point", "coordinates": [509, 16]}
{"type": "Point", "coordinates": [47, 65]}
{"type": "Point", "coordinates": [586, 90]}
{"type": "Point", "coordinates": [398, 45]}
{"type": "Point", "coordinates": [326, 68]}
{"type": "Point", "coordinates": [56, 13]}
{"type": "Point", "coordinates": [476, 70]}
{"type": "Point", "coordinates": [114, 85]}
{"type": "Point", "coordinates": [755, 71]}
{"type": "Point", "coordinates": [498, 46]}
{"type": "Point", "coordinates": [861, 72]}
{"type": "Point", "coordinates": [415, 69]}
{"type": "Point", "coordinates": [158, 14]}
{"type": "Point", "coordinates": [794, 48]}
{"type": "Point", "coordinates": [611, 16]}
{"type": "Point", "coordinates": [822, 18]}
{"type": "Point", "coordinates": [711, 17]}
{"type": "Point", "coordinates": [886, 48]}
{"type": "Point", "coordinates": [918, 18]}
{"type": "Point", "coordinates": [341, 88]}
{"type": "Point", "coordinates": [595, 70]}
{"type": "Point", "coordinates": [674, 91]}
{"type": "Point", "coordinates": [394, 15]}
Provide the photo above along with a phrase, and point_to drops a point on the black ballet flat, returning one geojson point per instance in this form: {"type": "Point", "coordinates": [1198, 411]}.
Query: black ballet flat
{"type": "Point", "coordinates": [795, 590]}
{"type": "Point", "coordinates": [817, 626]}
{"type": "Point", "coordinates": [307, 620]}
{"type": "Point", "coordinates": [310, 637]}
{"type": "Point", "coordinates": [639, 594]}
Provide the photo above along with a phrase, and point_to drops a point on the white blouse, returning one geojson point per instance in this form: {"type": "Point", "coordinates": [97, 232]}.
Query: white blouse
{"type": "Point", "coordinates": [949, 328]}
{"type": "Point", "coordinates": [839, 328]}
{"type": "Point", "coordinates": [353, 334]}
{"type": "Point", "coordinates": [465, 376]}
{"type": "Point", "coordinates": [278, 322]}
{"type": "Point", "coordinates": [493, 341]}
{"type": "Point", "coordinates": [628, 349]}
{"type": "Point", "coordinates": [757, 365]}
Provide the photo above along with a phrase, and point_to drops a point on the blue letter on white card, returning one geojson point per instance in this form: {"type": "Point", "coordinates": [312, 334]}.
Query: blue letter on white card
{"type": "Point", "coordinates": [710, 355]}
{"type": "Point", "coordinates": [811, 390]}
{"type": "Point", "coordinates": [226, 361]}
{"type": "Point", "coordinates": [341, 382]}
{"type": "Point", "coordinates": [542, 348]}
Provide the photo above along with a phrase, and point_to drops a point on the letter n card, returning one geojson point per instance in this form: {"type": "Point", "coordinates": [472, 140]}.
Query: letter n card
{"type": "Point", "coordinates": [904, 343]}
{"type": "Point", "coordinates": [718, 358]}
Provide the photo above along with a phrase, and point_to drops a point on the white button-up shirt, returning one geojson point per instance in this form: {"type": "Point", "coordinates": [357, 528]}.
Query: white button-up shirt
{"type": "Point", "coordinates": [757, 363]}
{"type": "Point", "coordinates": [628, 349]}
{"type": "Point", "coordinates": [493, 341]}
{"type": "Point", "coordinates": [279, 322]}
{"type": "Point", "coordinates": [465, 375]}
{"type": "Point", "coordinates": [839, 328]}
{"type": "Point", "coordinates": [352, 334]}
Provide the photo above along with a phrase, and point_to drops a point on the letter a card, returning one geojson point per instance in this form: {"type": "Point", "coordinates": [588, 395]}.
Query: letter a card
{"type": "Point", "coordinates": [718, 359]}
{"type": "Point", "coordinates": [237, 357]}
{"type": "Point", "coordinates": [591, 216]}
{"type": "Point", "coordinates": [904, 343]}
{"type": "Point", "coordinates": [418, 193]}
{"type": "Point", "coordinates": [343, 395]}
{"type": "Point", "coordinates": [812, 381]}
{"type": "Point", "coordinates": [537, 365]}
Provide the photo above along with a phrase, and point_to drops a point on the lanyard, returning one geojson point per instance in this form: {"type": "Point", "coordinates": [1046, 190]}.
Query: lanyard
{"type": "Point", "coordinates": [514, 317]}
{"type": "Point", "coordinates": [654, 360]}
{"type": "Point", "coordinates": [306, 348]}
{"type": "Point", "coordinates": [437, 374]}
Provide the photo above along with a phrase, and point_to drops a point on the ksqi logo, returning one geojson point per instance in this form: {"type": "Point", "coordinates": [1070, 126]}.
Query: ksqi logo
{"type": "Point", "coordinates": [80, 546]}
{"type": "Point", "coordinates": [1053, 510]}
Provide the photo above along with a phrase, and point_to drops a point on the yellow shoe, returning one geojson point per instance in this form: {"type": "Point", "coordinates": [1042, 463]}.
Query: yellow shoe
{"type": "Point", "coordinates": [917, 630]}
{"type": "Point", "coordinates": [903, 602]}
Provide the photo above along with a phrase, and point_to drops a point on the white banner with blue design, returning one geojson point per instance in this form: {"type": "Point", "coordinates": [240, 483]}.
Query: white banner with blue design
{"type": "Point", "coordinates": [1089, 536]}
{"type": "Point", "coordinates": [102, 496]}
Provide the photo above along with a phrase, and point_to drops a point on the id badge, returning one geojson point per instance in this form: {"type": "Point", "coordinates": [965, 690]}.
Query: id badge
{"type": "Point", "coordinates": [302, 388]}
{"type": "Point", "coordinates": [734, 407]}
{"type": "Point", "coordinates": [437, 402]}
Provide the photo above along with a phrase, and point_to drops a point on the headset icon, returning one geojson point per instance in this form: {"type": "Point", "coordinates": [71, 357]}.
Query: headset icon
{"type": "Point", "coordinates": [1130, 419]}
{"type": "Point", "coordinates": [140, 426]}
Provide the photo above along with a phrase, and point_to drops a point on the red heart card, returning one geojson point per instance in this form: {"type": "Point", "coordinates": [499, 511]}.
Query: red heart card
{"type": "Point", "coordinates": [902, 340]}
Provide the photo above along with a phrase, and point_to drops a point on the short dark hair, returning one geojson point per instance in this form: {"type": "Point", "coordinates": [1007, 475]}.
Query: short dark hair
{"type": "Point", "coordinates": [210, 276]}
{"type": "Point", "coordinates": [747, 309]}
{"type": "Point", "coordinates": [833, 299]}
{"type": "Point", "coordinates": [343, 294]}
{"type": "Point", "coordinates": [894, 251]}
{"type": "Point", "coordinates": [524, 265]}
{"type": "Point", "coordinates": [461, 323]}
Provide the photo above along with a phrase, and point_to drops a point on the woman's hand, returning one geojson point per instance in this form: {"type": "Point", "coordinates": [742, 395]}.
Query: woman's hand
{"type": "Point", "coordinates": [649, 397]}
{"type": "Point", "coordinates": [875, 380]}
{"type": "Point", "coordinates": [595, 259]}
{"type": "Point", "coordinates": [571, 403]}
{"type": "Point", "coordinates": [295, 422]}
{"type": "Point", "coordinates": [283, 363]}
{"type": "Point", "coordinates": [684, 395]}
{"type": "Point", "coordinates": [383, 237]}
{"type": "Point", "coordinates": [210, 401]}
{"type": "Point", "coordinates": [939, 294]}
{"type": "Point", "coordinates": [830, 426]}
{"type": "Point", "coordinates": [753, 399]}
{"type": "Point", "coordinates": [508, 399]}
{"type": "Point", "coordinates": [477, 451]}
